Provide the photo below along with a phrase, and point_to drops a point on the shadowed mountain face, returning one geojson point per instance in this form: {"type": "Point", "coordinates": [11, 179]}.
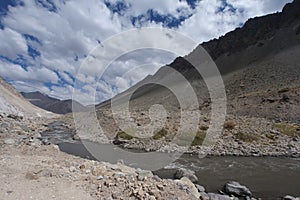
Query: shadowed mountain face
{"type": "Point", "coordinates": [259, 64]}
{"type": "Point", "coordinates": [51, 104]}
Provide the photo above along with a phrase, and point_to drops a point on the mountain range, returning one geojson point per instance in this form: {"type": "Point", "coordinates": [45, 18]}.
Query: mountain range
{"type": "Point", "coordinates": [259, 63]}
{"type": "Point", "coordinates": [52, 104]}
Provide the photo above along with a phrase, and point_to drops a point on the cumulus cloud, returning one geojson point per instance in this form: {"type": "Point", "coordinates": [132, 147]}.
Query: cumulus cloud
{"type": "Point", "coordinates": [16, 72]}
{"type": "Point", "coordinates": [214, 18]}
{"type": "Point", "coordinates": [12, 43]}
{"type": "Point", "coordinates": [46, 41]}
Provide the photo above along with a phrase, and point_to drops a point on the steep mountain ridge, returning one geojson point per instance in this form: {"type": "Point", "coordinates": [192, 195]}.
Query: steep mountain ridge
{"type": "Point", "coordinates": [262, 55]}
{"type": "Point", "coordinates": [255, 30]}
{"type": "Point", "coordinates": [52, 104]}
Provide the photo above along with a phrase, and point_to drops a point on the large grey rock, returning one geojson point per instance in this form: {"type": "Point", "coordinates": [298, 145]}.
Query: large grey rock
{"type": "Point", "coordinates": [200, 188]}
{"type": "Point", "coordinates": [288, 197]}
{"type": "Point", "coordinates": [181, 172]}
{"type": "Point", "coordinates": [142, 175]}
{"type": "Point", "coordinates": [186, 184]}
{"type": "Point", "coordinates": [237, 189]}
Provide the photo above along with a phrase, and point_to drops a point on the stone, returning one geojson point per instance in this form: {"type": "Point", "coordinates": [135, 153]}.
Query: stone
{"type": "Point", "coordinates": [31, 176]}
{"type": "Point", "coordinates": [160, 187]}
{"type": "Point", "coordinates": [288, 197]}
{"type": "Point", "coordinates": [72, 169]}
{"type": "Point", "coordinates": [99, 178]}
{"type": "Point", "coordinates": [9, 141]}
{"type": "Point", "coordinates": [99, 171]}
{"type": "Point", "coordinates": [181, 172]}
{"type": "Point", "coordinates": [24, 128]}
{"type": "Point", "coordinates": [275, 132]}
{"type": "Point", "coordinates": [200, 188]}
{"type": "Point", "coordinates": [118, 174]}
{"type": "Point", "coordinates": [45, 173]}
{"type": "Point", "coordinates": [191, 187]}
{"type": "Point", "coordinates": [142, 175]}
{"type": "Point", "coordinates": [204, 196]}
{"type": "Point", "coordinates": [15, 117]}
{"type": "Point", "coordinates": [4, 125]}
{"type": "Point", "coordinates": [45, 141]}
{"type": "Point", "coordinates": [236, 189]}
{"type": "Point", "coordinates": [213, 196]}
{"type": "Point", "coordinates": [285, 97]}
{"type": "Point", "coordinates": [76, 137]}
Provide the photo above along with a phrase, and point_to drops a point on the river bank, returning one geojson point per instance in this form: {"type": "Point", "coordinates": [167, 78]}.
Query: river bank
{"type": "Point", "coordinates": [30, 162]}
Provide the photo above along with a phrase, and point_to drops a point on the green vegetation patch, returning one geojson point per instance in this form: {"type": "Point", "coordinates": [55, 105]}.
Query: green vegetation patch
{"type": "Point", "coordinates": [200, 136]}
{"type": "Point", "coordinates": [124, 135]}
{"type": "Point", "coordinates": [160, 134]}
{"type": "Point", "coordinates": [185, 139]}
{"type": "Point", "coordinates": [229, 125]}
{"type": "Point", "coordinates": [204, 128]}
{"type": "Point", "coordinates": [287, 129]}
{"type": "Point", "coordinates": [246, 137]}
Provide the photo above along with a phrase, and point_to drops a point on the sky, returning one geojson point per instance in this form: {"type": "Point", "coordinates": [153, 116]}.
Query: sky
{"type": "Point", "coordinates": [44, 42]}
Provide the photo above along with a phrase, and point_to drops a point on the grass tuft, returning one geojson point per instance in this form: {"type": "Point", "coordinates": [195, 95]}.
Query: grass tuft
{"type": "Point", "coordinates": [124, 135]}
{"type": "Point", "coordinates": [199, 138]}
{"type": "Point", "coordinates": [229, 125]}
{"type": "Point", "coordinates": [160, 134]}
{"type": "Point", "coordinates": [246, 137]}
{"type": "Point", "coordinates": [287, 129]}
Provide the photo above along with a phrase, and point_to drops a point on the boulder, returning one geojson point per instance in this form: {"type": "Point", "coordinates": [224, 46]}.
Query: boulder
{"type": "Point", "coordinates": [288, 197]}
{"type": "Point", "coordinates": [181, 172]}
{"type": "Point", "coordinates": [143, 175]}
{"type": "Point", "coordinates": [236, 189]}
{"type": "Point", "coordinates": [191, 188]}
{"type": "Point", "coordinates": [200, 188]}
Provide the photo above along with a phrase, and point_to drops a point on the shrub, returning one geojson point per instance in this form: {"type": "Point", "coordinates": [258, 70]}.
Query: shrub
{"type": "Point", "coordinates": [199, 138]}
{"type": "Point", "coordinates": [160, 134]}
{"type": "Point", "coordinates": [185, 139]}
{"type": "Point", "coordinates": [229, 125]}
{"type": "Point", "coordinates": [124, 135]}
{"type": "Point", "coordinates": [204, 128]}
{"type": "Point", "coordinates": [287, 129]}
{"type": "Point", "coordinates": [246, 137]}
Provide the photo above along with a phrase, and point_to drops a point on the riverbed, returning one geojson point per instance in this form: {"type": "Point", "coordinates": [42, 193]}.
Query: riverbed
{"type": "Point", "coordinates": [266, 177]}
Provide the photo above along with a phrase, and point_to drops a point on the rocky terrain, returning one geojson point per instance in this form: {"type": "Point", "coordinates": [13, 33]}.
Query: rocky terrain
{"type": "Point", "coordinates": [261, 76]}
{"type": "Point", "coordinates": [31, 169]}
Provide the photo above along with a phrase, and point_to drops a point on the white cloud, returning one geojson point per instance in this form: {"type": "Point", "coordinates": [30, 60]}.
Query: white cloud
{"type": "Point", "coordinates": [163, 7]}
{"type": "Point", "coordinates": [16, 72]}
{"type": "Point", "coordinates": [77, 26]}
{"type": "Point", "coordinates": [12, 43]}
{"type": "Point", "coordinates": [208, 23]}
{"type": "Point", "coordinates": [31, 86]}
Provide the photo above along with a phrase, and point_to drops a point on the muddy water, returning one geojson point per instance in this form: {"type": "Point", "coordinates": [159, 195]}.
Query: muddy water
{"type": "Point", "coordinates": [266, 177]}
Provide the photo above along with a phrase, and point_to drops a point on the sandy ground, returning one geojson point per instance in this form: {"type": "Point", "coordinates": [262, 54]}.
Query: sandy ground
{"type": "Point", "coordinates": [34, 175]}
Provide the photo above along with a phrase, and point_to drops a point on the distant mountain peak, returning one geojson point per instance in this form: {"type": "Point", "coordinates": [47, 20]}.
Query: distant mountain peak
{"type": "Point", "coordinates": [52, 104]}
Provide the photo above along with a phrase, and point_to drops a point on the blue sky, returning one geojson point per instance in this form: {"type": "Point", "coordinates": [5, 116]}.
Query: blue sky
{"type": "Point", "coordinates": [43, 42]}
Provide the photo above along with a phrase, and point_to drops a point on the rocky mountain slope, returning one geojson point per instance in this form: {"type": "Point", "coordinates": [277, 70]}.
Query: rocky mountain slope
{"type": "Point", "coordinates": [11, 102]}
{"type": "Point", "coordinates": [261, 55]}
{"type": "Point", "coordinates": [260, 67]}
{"type": "Point", "coordinates": [52, 104]}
